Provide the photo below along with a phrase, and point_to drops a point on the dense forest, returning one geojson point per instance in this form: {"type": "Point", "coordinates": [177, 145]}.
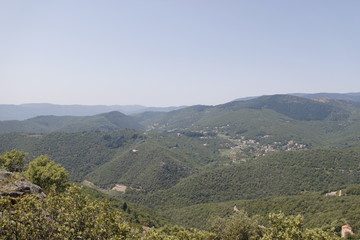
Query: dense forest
{"type": "Point", "coordinates": [66, 213]}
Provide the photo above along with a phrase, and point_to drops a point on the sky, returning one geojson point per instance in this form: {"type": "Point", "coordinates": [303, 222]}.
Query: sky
{"type": "Point", "coordinates": [175, 52]}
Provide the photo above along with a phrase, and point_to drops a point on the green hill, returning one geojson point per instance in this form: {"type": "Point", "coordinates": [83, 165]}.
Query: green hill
{"type": "Point", "coordinates": [318, 210]}
{"type": "Point", "coordinates": [158, 162]}
{"type": "Point", "coordinates": [80, 153]}
{"type": "Point", "coordinates": [277, 174]}
{"type": "Point", "coordinates": [268, 119]}
{"type": "Point", "coordinates": [170, 170]}
{"type": "Point", "coordinates": [146, 161]}
{"type": "Point", "coordinates": [354, 97]}
{"type": "Point", "coordinates": [296, 108]}
{"type": "Point", "coordinates": [44, 124]}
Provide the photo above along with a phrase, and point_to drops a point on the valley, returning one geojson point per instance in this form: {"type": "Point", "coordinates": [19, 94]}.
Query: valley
{"type": "Point", "coordinates": [263, 155]}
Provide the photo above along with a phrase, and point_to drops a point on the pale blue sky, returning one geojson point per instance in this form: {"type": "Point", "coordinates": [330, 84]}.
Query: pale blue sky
{"type": "Point", "coordinates": [175, 52]}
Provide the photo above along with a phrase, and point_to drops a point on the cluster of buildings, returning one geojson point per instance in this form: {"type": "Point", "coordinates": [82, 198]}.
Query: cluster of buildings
{"type": "Point", "coordinates": [244, 148]}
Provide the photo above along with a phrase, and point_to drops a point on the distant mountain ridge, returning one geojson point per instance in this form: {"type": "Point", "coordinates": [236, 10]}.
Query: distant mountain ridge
{"type": "Point", "coordinates": [355, 97]}
{"type": "Point", "coordinates": [43, 124]}
{"type": "Point", "coordinates": [282, 173]}
{"type": "Point", "coordinates": [239, 117]}
{"type": "Point", "coordinates": [30, 110]}
{"type": "Point", "coordinates": [296, 108]}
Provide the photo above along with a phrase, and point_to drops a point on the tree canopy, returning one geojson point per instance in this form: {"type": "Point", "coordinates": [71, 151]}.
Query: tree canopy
{"type": "Point", "coordinates": [47, 174]}
{"type": "Point", "coordinates": [13, 161]}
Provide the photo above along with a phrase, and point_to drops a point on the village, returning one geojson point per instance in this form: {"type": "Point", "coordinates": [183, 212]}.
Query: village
{"type": "Point", "coordinates": [244, 148]}
{"type": "Point", "coordinates": [239, 148]}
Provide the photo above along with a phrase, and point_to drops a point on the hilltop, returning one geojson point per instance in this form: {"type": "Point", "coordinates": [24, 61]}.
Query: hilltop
{"type": "Point", "coordinates": [267, 119]}
{"type": "Point", "coordinates": [273, 175]}
{"type": "Point", "coordinates": [318, 209]}
{"type": "Point", "coordinates": [31, 110]}
{"type": "Point", "coordinates": [353, 97]}
{"type": "Point", "coordinates": [43, 124]}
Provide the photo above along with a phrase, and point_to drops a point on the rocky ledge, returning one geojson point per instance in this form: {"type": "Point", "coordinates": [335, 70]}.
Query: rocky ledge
{"type": "Point", "coordinates": [15, 186]}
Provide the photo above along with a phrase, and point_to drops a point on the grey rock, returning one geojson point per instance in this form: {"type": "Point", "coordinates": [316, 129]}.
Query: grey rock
{"type": "Point", "coordinates": [16, 186]}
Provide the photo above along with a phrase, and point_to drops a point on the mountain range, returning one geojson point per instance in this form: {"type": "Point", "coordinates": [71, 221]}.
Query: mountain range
{"type": "Point", "coordinates": [31, 110]}
{"type": "Point", "coordinates": [42, 124]}
{"type": "Point", "coordinates": [188, 161]}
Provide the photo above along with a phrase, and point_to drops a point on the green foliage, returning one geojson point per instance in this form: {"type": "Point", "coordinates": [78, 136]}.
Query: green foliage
{"type": "Point", "coordinates": [319, 211]}
{"type": "Point", "coordinates": [158, 162]}
{"type": "Point", "coordinates": [281, 117]}
{"type": "Point", "coordinates": [296, 107]}
{"type": "Point", "coordinates": [284, 228]}
{"type": "Point", "coordinates": [133, 212]}
{"type": "Point", "coordinates": [176, 233]}
{"type": "Point", "coordinates": [69, 215]}
{"type": "Point", "coordinates": [319, 234]}
{"type": "Point", "coordinates": [352, 190]}
{"type": "Point", "coordinates": [238, 226]}
{"type": "Point", "coordinates": [47, 174]}
{"type": "Point", "coordinates": [13, 161]}
{"type": "Point", "coordinates": [291, 228]}
{"type": "Point", "coordinates": [106, 158]}
{"type": "Point", "coordinates": [80, 153]}
{"type": "Point", "coordinates": [282, 173]}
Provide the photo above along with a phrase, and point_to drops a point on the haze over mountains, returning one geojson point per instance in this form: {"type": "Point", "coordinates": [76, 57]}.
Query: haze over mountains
{"type": "Point", "coordinates": [30, 110]}
{"type": "Point", "coordinates": [341, 96]}
{"type": "Point", "coordinates": [43, 124]}
{"type": "Point", "coordinates": [193, 117]}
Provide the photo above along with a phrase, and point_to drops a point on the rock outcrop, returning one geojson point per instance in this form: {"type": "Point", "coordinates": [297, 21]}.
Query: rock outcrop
{"type": "Point", "coordinates": [15, 186]}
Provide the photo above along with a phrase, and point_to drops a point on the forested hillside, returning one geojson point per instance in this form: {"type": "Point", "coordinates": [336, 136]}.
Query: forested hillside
{"type": "Point", "coordinates": [277, 174]}
{"type": "Point", "coordinates": [80, 153]}
{"type": "Point", "coordinates": [261, 154]}
{"type": "Point", "coordinates": [43, 124]}
{"type": "Point", "coordinates": [149, 161]}
{"type": "Point", "coordinates": [318, 209]}
{"type": "Point", "coordinates": [296, 108]}
{"type": "Point", "coordinates": [268, 119]}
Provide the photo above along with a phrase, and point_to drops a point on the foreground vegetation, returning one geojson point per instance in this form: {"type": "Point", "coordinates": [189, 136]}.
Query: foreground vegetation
{"type": "Point", "coordinates": [71, 215]}
{"type": "Point", "coordinates": [66, 213]}
{"type": "Point", "coordinates": [277, 174]}
{"type": "Point", "coordinates": [318, 210]}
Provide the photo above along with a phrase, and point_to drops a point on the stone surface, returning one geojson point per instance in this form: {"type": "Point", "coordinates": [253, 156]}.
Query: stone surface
{"type": "Point", "coordinates": [15, 186]}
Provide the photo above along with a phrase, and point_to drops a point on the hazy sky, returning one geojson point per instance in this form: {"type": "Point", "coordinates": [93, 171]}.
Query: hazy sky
{"type": "Point", "coordinates": [175, 52]}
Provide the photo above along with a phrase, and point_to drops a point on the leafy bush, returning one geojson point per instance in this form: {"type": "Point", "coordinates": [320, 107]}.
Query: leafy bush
{"type": "Point", "coordinates": [13, 161]}
{"type": "Point", "coordinates": [237, 226]}
{"type": "Point", "coordinates": [291, 228]}
{"type": "Point", "coordinates": [47, 174]}
{"type": "Point", "coordinates": [69, 215]}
